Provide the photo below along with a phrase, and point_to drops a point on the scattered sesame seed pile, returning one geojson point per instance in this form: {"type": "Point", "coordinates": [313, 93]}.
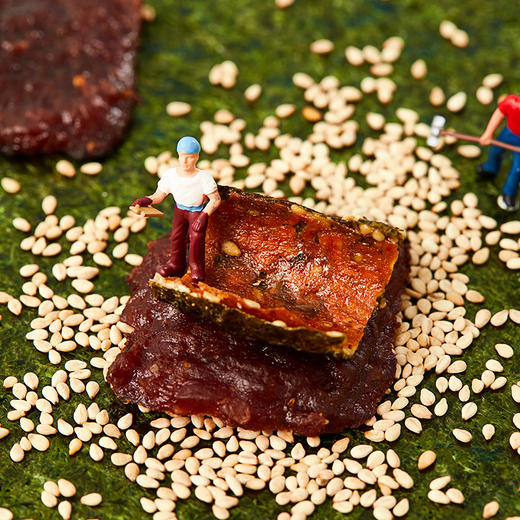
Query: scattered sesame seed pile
{"type": "Point", "coordinates": [178, 457]}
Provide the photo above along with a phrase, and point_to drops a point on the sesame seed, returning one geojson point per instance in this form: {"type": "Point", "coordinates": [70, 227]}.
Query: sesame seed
{"type": "Point", "coordinates": [92, 499]}
{"type": "Point", "coordinates": [488, 430]}
{"type": "Point", "coordinates": [437, 496]}
{"type": "Point", "coordinates": [31, 380]}
{"type": "Point", "coordinates": [65, 509]}
{"type": "Point", "coordinates": [505, 351]}
{"type": "Point", "coordinates": [82, 286]}
{"type": "Point", "coordinates": [52, 488]}
{"type": "Point", "coordinates": [92, 389]}
{"type": "Point", "coordinates": [426, 459]}
{"type": "Point", "coordinates": [91, 168]}
{"type": "Point", "coordinates": [455, 495]}
{"type": "Point", "coordinates": [468, 411]}
{"type": "Point", "coordinates": [48, 500]}
{"type": "Point", "coordinates": [39, 442]}
{"type": "Point", "coordinates": [401, 508]}
{"type": "Point", "coordinates": [66, 488]}
{"type": "Point", "coordinates": [15, 306]}
{"type": "Point", "coordinates": [49, 204]}
{"type": "Point", "coordinates": [16, 453]}
{"type": "Point", "coordinates": [494, 365]}
{"type": "Point", "coordinates": [338, 447]}
{"type": "Point", "coordinates": [490, 509]}
{"type": "Point", "coordinates": [147, 482]}
{"type": "Point", "coordinates": [343, 507]}
{"type": "Point", "coordinates": [403, 478]}
{"type": "Point", "coordinates": [74, 446]}
{"type": "Point", "coordinates": [499, 318]}
{"type": "Point", "coordinates": [96, 453]}
{"type": "Point", "coordinates": [462, 435]}
{"type": "Point", "coordinates": [413, 424]}
{"type": "Point", "coordinates": [65, 168]}
{"type": "Point", "coordinates": [515, 392]}
{"type": "Point", "coordinates": [5, 514]}
{"type": "Point", "coordinates": [322, 46]}
{"type": "Point", "coordinates": [361, 451]}
{"type": "Point", "coordinates": [10, 185]}
{"type": "Point", "coordinates": [178, 109]}
{"type": "Point", "coordinates": [514, 440]}
{"type": "Point", "coordinates": [499, 382]}
{"type": "Point", "coordinates": [102, 259]}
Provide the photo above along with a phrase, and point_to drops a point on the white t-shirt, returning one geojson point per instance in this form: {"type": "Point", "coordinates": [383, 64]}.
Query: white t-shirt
{"type": "Point", "coordinates": [187, 191]}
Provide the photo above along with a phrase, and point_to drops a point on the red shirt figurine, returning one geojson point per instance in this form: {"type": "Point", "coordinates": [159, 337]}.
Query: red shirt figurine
{"type": "Point", "coordinates": [196, 198]}
{"type": "Point", "coordinates": [509, 108]}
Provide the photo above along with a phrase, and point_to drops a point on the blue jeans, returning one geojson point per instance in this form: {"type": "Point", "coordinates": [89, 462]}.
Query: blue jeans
{"type": "Point", "coordinates": [492, 165]}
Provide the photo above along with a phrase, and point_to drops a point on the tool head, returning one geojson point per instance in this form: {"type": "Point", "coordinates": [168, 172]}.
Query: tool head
{"type": "Point", "coordinates": [437, 125]}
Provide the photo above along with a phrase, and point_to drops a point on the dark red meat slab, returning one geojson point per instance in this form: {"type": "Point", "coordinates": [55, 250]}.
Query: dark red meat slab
{"type": "Point", "coordinates": [67, 74]}
{"type": "Point", "coordinates": [177, 363]}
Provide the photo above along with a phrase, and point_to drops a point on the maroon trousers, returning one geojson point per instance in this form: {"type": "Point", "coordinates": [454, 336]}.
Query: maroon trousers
{"type": "Point", "coordinates": [182, 228]}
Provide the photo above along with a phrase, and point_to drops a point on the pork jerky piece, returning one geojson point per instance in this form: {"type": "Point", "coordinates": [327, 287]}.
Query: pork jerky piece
{"type": "Point", "coordinates": [180, 363]}
{"type": "Point", "coordinates": [67, 74]}
{"type": "Point", "coordinates": [287, 275]}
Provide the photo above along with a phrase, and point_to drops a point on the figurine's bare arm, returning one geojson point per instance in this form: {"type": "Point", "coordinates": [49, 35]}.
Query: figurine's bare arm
{"type": "Point", "coordinates": [214, 202]}
{"type": "Point", "coordinates": [158, 196]}
{"type": "Point", "coordinates": [491, 127]}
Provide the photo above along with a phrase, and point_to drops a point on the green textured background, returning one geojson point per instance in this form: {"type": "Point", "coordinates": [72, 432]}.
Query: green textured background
{"type": "Point", "coordinates": [269, 45]}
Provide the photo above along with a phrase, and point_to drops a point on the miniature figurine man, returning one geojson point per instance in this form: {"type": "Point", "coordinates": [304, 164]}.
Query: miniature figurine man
{"type": "Point", "coordinates": [191, 188]}
{"type": "Point", "coordinates": [509, 108]}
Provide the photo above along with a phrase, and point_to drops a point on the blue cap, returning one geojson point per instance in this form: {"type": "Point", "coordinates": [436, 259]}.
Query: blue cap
{"type": "Point", "coordinates": [188, 144]}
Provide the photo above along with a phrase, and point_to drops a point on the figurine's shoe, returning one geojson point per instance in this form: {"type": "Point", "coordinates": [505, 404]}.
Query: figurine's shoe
{"type": "Point", "coordinates": [483, 173]}
{"type": "Point", "coordinates": [196, 279]}
{"type": "Point", "coordinates": [197, 276]}
{"type": "Point", "coordinates": [507, 202]}
{"type": "Point", "coordinates": [168, 270]}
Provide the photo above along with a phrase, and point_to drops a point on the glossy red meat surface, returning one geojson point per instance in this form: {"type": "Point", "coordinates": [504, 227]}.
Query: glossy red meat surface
{"type": "Point", "coordinates": [67, 74]}
{"type": "Point", "coordinates": [322, 271]}
{"type": "Point", "coordinates": [177, 363]}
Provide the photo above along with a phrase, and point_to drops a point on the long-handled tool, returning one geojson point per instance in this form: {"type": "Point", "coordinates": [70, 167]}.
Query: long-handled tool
{"type": "Point", "coordinates": [437, 129]}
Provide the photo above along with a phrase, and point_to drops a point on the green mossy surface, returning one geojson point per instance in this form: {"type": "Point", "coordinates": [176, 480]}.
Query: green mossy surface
{"type": "Point", "coordinates": [269, 45]}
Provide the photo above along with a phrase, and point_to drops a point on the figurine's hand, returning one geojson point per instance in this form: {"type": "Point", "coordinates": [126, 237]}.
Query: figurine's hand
{"type": "Point", "coordinates": [485, 140]}
{"type": "Point", "coordinates": [142, 202]}
{"type": "Point", "coordinates": [201, 222]}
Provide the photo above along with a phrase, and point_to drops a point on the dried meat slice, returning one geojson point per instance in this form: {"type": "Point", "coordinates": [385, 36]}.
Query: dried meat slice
{"type": "Point", "coordinates": [287, 275]}
{"type": "Point", "coordinates": [180, 363]}
{"type": "Point", "coordinates": [67, 75]}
